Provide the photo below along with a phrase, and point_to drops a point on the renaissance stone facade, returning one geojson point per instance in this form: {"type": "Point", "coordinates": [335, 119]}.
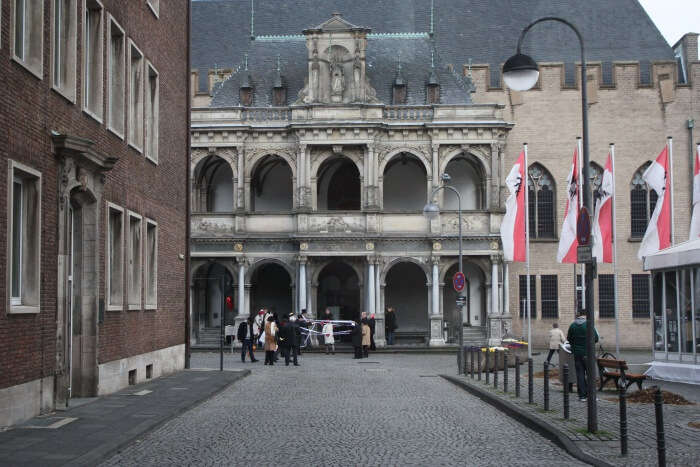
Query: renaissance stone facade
{"type": "Point", "coordinates": [313, 156]}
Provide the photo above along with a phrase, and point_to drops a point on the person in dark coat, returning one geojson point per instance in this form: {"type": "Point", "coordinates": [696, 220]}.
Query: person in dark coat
{"type": "Point", "coordinates": [577, 339]}
{"type": "Point", "coordinates": [392, 324]}
{"type": "Point", "coordinates": [287, 339]}
{"type": "Point", "coordinates": [357, 339]}
{"type": "Point", "coordinates": [246, 335]}
{"type": "Point", "coordinates": [372, 325]}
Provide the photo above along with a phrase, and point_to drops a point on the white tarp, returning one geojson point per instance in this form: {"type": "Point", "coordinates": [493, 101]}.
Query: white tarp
{"type": "Point", "coordinates": [674, 371]}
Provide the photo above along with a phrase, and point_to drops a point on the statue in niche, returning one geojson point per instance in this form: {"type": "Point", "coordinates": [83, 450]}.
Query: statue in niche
{"type": "Point", "coordinates": [313, 85]}
{"type": "Point", "coordinates": [357, 74]}
{"type": "Point", "coordinates": [337, 81]}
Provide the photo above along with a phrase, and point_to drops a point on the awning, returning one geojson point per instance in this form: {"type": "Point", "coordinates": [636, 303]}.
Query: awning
{"type": "Point", "coordinates": [677, 256]}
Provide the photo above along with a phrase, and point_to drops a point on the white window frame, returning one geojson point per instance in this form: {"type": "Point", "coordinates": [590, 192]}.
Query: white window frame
{"type": "Point", "coordinates": [151, 131]}
{"type": "Point", "coordinates": [154, 6]}
{"type": "Point", "coordinates": [17, 305]}
{"type": "Point", "coordinates": [111, 22]}
{"type": "Point", "coordinates": [35, 66]}
{"type": "Point", "coordinates": [69, 55]}
{"type": "Point", "coordinates": [150, 303]}
{"type": "Point", "coordinates": [96, 113]}
{"type": "Point", "coordinates": [138, 256]}
{"type": "Point", "coordinates": [135, 141]}
{"type": "Point", "coordinates": [108, 259]}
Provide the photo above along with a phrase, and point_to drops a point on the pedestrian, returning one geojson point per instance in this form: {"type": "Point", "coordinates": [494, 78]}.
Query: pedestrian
{"type": "Point", "coordinates": [392, 324]}
{"type": "Point", "coordinates": [556, 337]}
{"type": "Point", "coordinates": [296, 327]}
{"type": "Point", "coordinates": [372, 326]}
{"type": "Point", "coordinates": [328, 316]}
{"type": "Point", "coordinates": [311, 340]}
{"type": "Point", "coordinates": [357, 338]}
{"type": "Point", "coordinates": [287, 336]}
{"type": "Point", "coordinates": [270, 340]}
{"type": "Point", "coordinates": [259, 324]}
{"type": "Point", "coordinates": [366, 332]}
{"type": "Point", "coordinates": [577, 339]}
{"type": "Point", "coordinates": [328, 337]}
{"type": "Point", "coordinates": [246, 335]}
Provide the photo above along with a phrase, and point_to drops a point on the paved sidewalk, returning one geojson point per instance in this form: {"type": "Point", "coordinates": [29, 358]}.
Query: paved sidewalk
{"type": "Point", "coordinates": [87, 434]}
{"type": "Point", "coordinates": [682, 441]}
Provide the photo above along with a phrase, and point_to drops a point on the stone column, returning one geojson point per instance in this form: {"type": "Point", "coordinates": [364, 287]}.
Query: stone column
{"type": "Point", "coordinates": [240, 186]}
{"type": "Point", "coordinates": [498, 322]}
{"type": "Point", "coordinates": [241, 289]}
{"type": "Point", "coordinates": [494, 287]}
{"type": "Point", "coordinates": [302, 282]}
{"type": "Point", "coordinates": [506, 292]}
{"type": "Point", "coordinates": [437, 337]}
{"type": "Point", "coordinates": [370, 286]}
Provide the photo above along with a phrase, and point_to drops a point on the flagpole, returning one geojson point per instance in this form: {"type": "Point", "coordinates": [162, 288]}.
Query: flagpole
{"type": "Point", "coordinates": [614, 246]}
{"type": "Point", "coordinates": [527, 252]}
{"type": "Point", "coordinates": [580, 205]}
{"type": "Point", "coordinates": [670, 175]}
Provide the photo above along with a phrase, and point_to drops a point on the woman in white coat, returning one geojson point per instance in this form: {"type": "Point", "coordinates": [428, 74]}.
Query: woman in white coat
{"type": "Point", "coordinates": [555, 337]}
{"type": "Point", "coordinates": [328, 337]}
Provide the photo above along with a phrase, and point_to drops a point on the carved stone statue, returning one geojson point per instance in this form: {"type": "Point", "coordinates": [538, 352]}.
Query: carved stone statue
{"type": "Point", "coordinates": [313, 84]}
{"type": "Point", "coordinates": [337, 82]}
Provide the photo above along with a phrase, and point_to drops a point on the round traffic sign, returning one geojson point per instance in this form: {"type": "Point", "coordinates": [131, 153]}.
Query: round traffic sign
{"type": "Point", "coordinates": [458, 281]}
{"type": "Point", "coordinates": [583, 227]}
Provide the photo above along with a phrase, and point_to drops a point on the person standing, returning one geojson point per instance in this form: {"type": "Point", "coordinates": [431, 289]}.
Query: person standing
{"type": "Point", "coordinates": [357, 338]}
{"type": "Point", "coordinates": [577, 339]}
{"type": "Point", "coordinates": [270, 342]}
{"type": "Point", "coordinates": [392, 324]}
{"type": "Point", "coordinates": [365, 338]}
{"type": "Point", "coordinates": [246, 335]}
{"type": "Point", "coordinates": [555, 337]}
{"type": "Point", "coordinates": [287, 336]}
{"type": "Point", "coordinates": [372, 326]}
{"type": "Point", "coordinates": [259, 324]}
{"type": "Point", "coordinates": [328, 337]}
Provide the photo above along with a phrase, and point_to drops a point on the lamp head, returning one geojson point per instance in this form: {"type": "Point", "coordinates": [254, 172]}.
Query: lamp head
{"type": "Point", "coordinates": [520, 72]}
{"type": "Point", "coordinates": [431, 210]}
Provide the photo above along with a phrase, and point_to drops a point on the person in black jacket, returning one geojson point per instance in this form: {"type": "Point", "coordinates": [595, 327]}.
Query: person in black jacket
{"type": "Point", "coordinates": [357, 339]}
{"type": "Point", "coordinates": [372, 325]}
{"type": "Point", "coordinates": [246, 335]}
{"type": "Point", "coordinates": [287, 341]}
{"type": "Point", "coordinates": [391, 323]}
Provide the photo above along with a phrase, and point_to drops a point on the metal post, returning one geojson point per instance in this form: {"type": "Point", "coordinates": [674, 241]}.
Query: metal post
{"type": "Point", "coordinates": [660, 438]}
{"type": "Point", "coordinates": [495, 369]}
{"type": "Point", "coordinates": [566, 391]}
{"type": "Point", "coordinates": [623, 413]}
{"type": "Point", "coordinates": [529, 382]}
{"type": "Point", "coordinates": [471, 366]}
{"type": "Point", "coordinates": [546, 386]}
{"type": "Point", "coordinates": [517, 376]}
{"type": "Point", "coordinates": [464, 360]}
{"type": "Point", "coordinates": [505, 372]}
{"type": "Point", "coordinates": [486, 365]}
{"type": "Point", "coordinates": [478, 366]}
{"type": "Point", "coordinates": [222, 323]}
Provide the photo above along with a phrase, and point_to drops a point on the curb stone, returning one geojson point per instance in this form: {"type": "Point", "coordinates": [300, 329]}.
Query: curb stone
{"type": "Point", "coordinates": [546, 430]}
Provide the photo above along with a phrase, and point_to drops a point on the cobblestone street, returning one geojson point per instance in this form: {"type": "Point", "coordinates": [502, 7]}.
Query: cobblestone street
{"type": "Point", "coordinates": [388, 409]}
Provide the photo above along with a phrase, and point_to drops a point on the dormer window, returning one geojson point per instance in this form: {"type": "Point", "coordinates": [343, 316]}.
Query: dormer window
{"type": "Point", "coordinates": [399, 94]}
{"type": "Point", "coordinates": [246, 94]}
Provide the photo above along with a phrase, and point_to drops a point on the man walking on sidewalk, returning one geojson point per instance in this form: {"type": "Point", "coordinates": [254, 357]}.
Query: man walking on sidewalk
{"type": "Point", "coordinates": [246, 335]}
{"type": "Point", "coordinates": [577, 339]}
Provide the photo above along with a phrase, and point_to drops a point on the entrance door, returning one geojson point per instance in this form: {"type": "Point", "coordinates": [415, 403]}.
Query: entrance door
{"type": "Point", "coordinates": [70, 293]}
{"type": "Point", "coordinates": [339, 290]}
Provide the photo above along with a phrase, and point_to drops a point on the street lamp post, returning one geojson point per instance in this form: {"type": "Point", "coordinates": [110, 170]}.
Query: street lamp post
{"type": "Point", "coordinates": [431, 211]}
{"type": "Point", "coordinates": [520, 72]}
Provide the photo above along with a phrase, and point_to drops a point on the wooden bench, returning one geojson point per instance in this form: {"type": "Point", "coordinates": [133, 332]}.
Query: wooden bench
{"type": "Point", "coordinates": [611, 369]}
{"type": "Point", "coordinates": [418, 335]}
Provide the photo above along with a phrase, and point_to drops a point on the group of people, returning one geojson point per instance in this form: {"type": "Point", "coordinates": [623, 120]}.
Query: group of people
{"type": "Point", "coordinates": [576, 336]}
{"type": "Point", "coordinates": [363, 336]}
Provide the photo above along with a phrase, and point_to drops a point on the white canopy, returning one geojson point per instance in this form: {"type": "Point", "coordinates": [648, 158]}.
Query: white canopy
{"type": "Point", "coordinates": [676, 256]}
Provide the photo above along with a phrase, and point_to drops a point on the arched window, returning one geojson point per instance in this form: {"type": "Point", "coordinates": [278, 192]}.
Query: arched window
{"type": "Point", "coordinates": [271, 185]}
{"type": "Point", "coordinates": [541, 202]}
{"type": "Point", "coordinates": [339, 186]}
{"type": "Point", "coordinates": [404, 170]}
{"type": "Point", "coordinates": [642, 203]}
{"type": "Point", "coordinates": [468, 177]}
{"type": "Point", "coordinates": [213, 186]}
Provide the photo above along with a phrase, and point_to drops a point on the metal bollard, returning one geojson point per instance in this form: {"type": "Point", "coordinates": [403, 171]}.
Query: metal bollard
{"type": "Point", "coordinates": [660, 437]}
{"type": "Point", "coordinates": [546, 386]}
{"type": "Point", "coordinates": [471, 362]}
{"type": "Point", "coordinates": [478, 366]}
{"type": "Point", "coordinates": [495, 369]}
{"type": "Point", "coordinates": [464, 361]}
{"type": "Point", "coordinates": [566, 391]}
{"type": "Point", "coordinates": [486, 364]}
{"type": "Point", "coordinates": [505, 372]}
{"type": "Point", "coordinates": [529, 382]}
{"type": "Point", "coordinates": [517, 376]}
{"type": "Point", "coordinates": [623, 414]}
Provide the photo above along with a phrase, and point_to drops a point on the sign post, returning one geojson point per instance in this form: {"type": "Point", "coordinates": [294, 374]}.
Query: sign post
{"type": "Point", "coordinates": [584, 252]}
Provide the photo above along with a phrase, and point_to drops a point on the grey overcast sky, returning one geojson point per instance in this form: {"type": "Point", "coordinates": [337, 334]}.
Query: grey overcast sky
{"type": "Point", "coordinates": [674, 17]}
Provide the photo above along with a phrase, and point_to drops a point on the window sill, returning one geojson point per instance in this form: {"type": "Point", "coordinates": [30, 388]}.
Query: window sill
{"type": "Point", "coordinates": [115, 132]}
{"type": "Point", "coordinates": [150, 307]}
{"type": "Point", "coordinates": [24, 309]}
{"type": "Point", "coordinates": [544, 240]}
{"type": "Point", "coordinates": [92, 115]}
{"type": "Point", "coordinates": [38, 72]}
{"type": "Point", "coordinates": [635, 239]}
{"type": "Point", "coordinates": [153, 10]}
{"type": "Point", "coordinates": [134, 308]}
{"type": "Point", "coordinates": [133, 146]}
{"type": "Point", "coordinates": [70, 97]}
{"type": "Point", "coordinates": [115, 307]}
{"type": "Point", "coordinates": [152, 160]}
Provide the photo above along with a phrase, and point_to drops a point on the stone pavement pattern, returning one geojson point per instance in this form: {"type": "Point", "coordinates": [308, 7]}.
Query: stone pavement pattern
{"type": "Point", "coordinates": [389, 409]}
{"type": "Point", "coordinates": [682, 441]}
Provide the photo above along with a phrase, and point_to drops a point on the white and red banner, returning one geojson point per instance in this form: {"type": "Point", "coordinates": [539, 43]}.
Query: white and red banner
{"type": "Point", "coordinates": [603, 219]}
{"type": "Point", "coordinates": [568, 241]}
{"type": "Point", "coordinates": [513, 227]}
{"type": "Point", "coordinates": [695, 218]}
{"type": "Point", "coordinates": [658, 234]}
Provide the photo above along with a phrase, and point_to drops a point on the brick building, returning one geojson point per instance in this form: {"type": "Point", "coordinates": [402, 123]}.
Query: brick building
{"type": "Point", "coordinates": [317, 142]}
{"type": "Point", "coordinates": [92, 197]}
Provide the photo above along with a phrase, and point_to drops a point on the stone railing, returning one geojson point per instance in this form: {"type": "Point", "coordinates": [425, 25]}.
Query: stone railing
{"type": "Point", "coordinates": [264, 114]}
{"type": "Point", "coordinates": [408, 112]}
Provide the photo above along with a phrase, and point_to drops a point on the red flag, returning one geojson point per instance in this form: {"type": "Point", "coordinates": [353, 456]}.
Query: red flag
{"type": "Point", "coordinates": [658, 234]}
{"type": "Point", "coordinates": [695, 217]}
{"type": "Point", "coordinates": [603, 220]}
{"type": "Point", "coordinates": [568, 241]}
{"type": "Point", "coordinates": [514, 223]}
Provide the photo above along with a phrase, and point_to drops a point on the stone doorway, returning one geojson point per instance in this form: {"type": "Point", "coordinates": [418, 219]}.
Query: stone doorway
{"type": "Point", "coordinates": [271, 288]}
{"type": "Point", "coordinates": [406, 291]}
{"type": "Point", "coordinates": [339, 290]}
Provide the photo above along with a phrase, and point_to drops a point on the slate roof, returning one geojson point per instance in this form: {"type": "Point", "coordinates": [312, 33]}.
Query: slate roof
{"type": "Point", "coordinates": [485, 31]}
